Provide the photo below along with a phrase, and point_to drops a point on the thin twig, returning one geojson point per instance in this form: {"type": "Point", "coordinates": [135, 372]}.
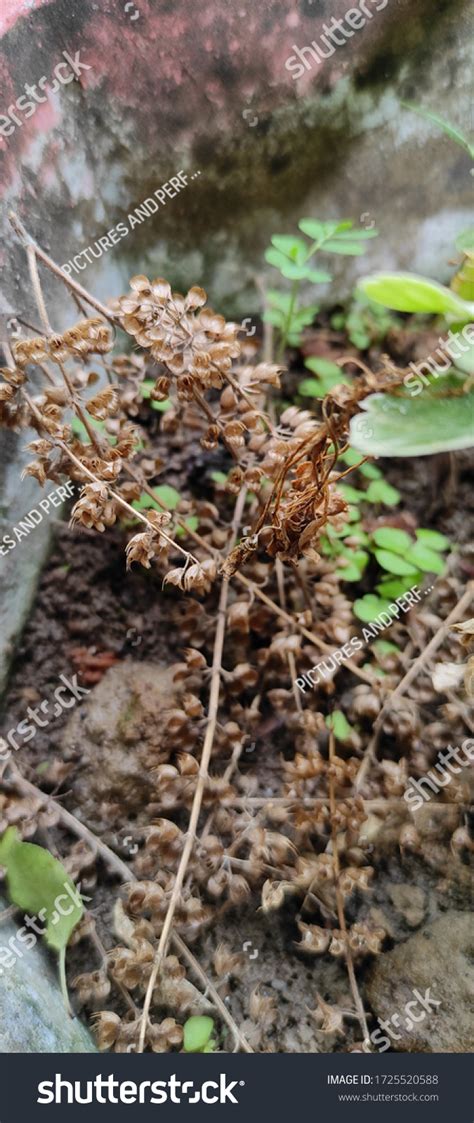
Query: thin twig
{"type": "Point", "coordinates": [27, 241]}
{"type": "Point", "coordinates": [36, 285]}
{"type": "Point", "coordinates": [200, 784]}
{"type": "Point", "coordinates": [290, 657]}
{"type": "Point", "coordinates": [339, 899]}
{"type": "Point", "coordinates": [423, 658]}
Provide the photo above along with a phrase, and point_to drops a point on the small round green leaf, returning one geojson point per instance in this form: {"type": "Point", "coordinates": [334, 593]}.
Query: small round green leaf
{"type": "Point", "coordinates": [390, 538]}
{"type": "Point", "coordinates": [433, 539]}
{"type": "Point", "coordinates": [425, 559]}
{"type": "Point", "coordinates": [197, 1032]}
{"type": "Point", "coordinates": [393, 563]}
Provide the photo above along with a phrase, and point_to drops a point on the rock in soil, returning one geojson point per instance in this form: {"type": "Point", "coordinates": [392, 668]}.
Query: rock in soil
{"type": "Point", "coordinates": [117, 735]}
{"type": "Point", "coordinates": [34, 1017]}
{"type": "Point", "coordinates": [439, 958]}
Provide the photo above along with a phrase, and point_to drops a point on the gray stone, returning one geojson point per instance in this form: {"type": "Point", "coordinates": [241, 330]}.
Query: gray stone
{"type": "Point", "coordinates": [438, 958]}
{"type": "Point", "coordinates": [21, 564]}
{"type": "Point", "coordinates": [34, 1018]}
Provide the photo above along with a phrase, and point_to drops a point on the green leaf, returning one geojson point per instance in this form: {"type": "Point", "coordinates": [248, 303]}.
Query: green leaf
{"type": "Point", "coordinates": [465, 361]}
{"type": "Point", "coordinates": [399, 426]}
{"type": "Point", "coordinates": [433, 539]}
{"type": "Point", "coordinates": [318, 276]}
{"type": "Point", "coordinates": [80, 430]}
{"type": "Point", "coordinates": [371, 472]}
{"type": "Point", "coordinates": [368, 607]}
{"type": "Point", "coordinates": [219, 477]}
{"type": "Point", "coordinates": [393, 563]}
{"type": "Point", "coordinates": [351, 457]}
{"type": "Point", "coordinates": [352, 494]}
{"type": "Point", "coordinates": [192, 523]}
{"type": "Point", "coordinates": [310, 388]}
{"type": "Point", "coordinates": [339, 724]}
{"type": "Point", "coordinates": [379, 491]}
{"type": "Point", "coordinates": [383, 647]}
{"type": "Point", "coordinates": [168, 495]}
{"type": "Point", "coordinates": [357, 562]}
{"type": "Point", "coordinates": [396, 588]}
{"type": "Point", "coordinates": [425, 559]}
{"type": "Point", "coordinates": [408, 292]}
{"type": "Point", "coordinates": [390, 538]}
{"type": "Point", "coordinates": [450, 130]}
{"type": "Point", "coordinates": [40, 885]}
{"type": "Point", "coordinates": [197, 1034]}
{"type": "Point", "coordinates": [355, 235]}
{"type": "Point", "coordinates": [281, 300]}
{"type": "Point", "coordinates": [323, 367]}
{"type": "Point", "coordinates": [348, 249]}
{"type": "Point", "coordinates": [293, 248]}
{"type": "Point", "coordinates": [294, 272]}
{"type": "Point", "coordinates": [318, 231]}
{"type": "Point", "coordinates": [288, 268]}
{"type": "Point", "coordinates": [274, 316]}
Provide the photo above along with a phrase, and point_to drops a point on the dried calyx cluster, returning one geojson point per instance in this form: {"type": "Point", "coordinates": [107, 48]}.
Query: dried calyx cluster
{"type": "Point", "coordinates": [191, 360]}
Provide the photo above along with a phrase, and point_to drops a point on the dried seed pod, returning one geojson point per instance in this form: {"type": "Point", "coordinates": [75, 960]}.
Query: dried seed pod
{"type": "Point", "coordinates": [314, 940]}
{"type": "Point", "coordinates": [103, 405]}
{"type": "Point", "coordinates": [263, 1009]}
{"type": "Point", "coordinates": [165, 1036]}
{"type": "Point", "coordinates": [142, 548]}
{"type": "Point", "coordinates": [106, 1027]}
{"type": "Point", "coordinates": [227, 963]}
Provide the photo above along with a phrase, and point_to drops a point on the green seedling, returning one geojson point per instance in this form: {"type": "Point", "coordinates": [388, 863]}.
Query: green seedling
{"type": "Point", "coordinates": [37, 883]}
{"type": "Point", "coordinates": [198, 1038]}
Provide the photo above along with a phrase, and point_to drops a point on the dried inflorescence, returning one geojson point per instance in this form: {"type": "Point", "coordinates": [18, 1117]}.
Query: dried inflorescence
{"type": "Point", "coordinates": [191, 356]}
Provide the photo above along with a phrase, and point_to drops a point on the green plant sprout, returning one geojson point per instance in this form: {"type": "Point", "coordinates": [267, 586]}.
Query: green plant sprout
{"type": "Point", "coordinates": [293, 257]}
{"type": "Point", "coordinates": [404, 561]}
{"type": "Point", "coordinates": [36, 882]}
{"type": "Point", "coordinates": [198, 1038]}
{"type": "Point", "coordinates": [365, 322]}
{"type": "Point", "coordinates": [338, 723]}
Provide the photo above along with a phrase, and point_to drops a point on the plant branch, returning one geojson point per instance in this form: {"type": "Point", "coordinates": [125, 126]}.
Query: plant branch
{"type": "Point", "coordinates": [200, 785]}
{"type": "Point", "coordinates": [339, 900]}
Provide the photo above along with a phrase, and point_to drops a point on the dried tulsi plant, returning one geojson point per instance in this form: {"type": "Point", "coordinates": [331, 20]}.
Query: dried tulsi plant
{"type": "Point", "coordinates": [208, 839]}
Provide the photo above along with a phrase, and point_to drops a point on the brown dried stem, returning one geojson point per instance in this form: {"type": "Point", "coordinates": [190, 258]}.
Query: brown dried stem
{"type": "Point", "coordinates": [201, 782]}
{"type": "Point", "coordinates": [339, 898]}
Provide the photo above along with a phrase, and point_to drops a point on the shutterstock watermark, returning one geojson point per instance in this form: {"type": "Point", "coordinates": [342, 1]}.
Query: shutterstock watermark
{"type": "Point", "coordinates": [34, 517]}
{"type": "Point", "coordinates": [109, 1090]}
{"type": "Point", "coordinates": [449, 350]}
{"type": "Point", "coordinates": [25, 106]}
{"type": "Point", "coordinates": [354, 20]}
{"type": "Point", "coordinates": [390, 1025]}
{"type": "Point", "coordinates": [415, 794]}
{"type": "Point", "coordinates": [69, 689]}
